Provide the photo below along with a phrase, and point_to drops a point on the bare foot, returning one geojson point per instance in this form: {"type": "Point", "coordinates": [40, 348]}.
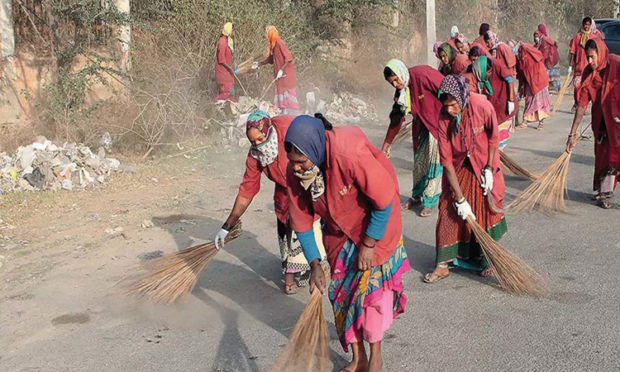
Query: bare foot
{"type": "Point", "coordinates": [290, 287]}
{"type": "Point", "coordinates": [410, 203]}
{"type": "Point", "coordinates": [356, 366]}
{"type": "Point", "coordinates": [376, 364]}
{"type": "Point", "coordinates": [487, 272]}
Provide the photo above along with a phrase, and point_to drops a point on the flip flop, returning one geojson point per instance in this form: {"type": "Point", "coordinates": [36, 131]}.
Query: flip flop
{"type": "Point", "coordinates": [427, 214]}
{"type": "Point", "coordinates": [291, 288]}
{"type": "Point", "coordinates": [427, 278]}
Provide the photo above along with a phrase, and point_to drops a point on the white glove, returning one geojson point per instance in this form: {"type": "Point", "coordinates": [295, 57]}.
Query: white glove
{"type": "Point", "coordinates": [463, 209]}
{"type": "Point", "coordinates": [255, 66]}
{"type": "Point", "coordinates": [570, 69]}
{"type": "Point", "coordinates": [219, 238]}
{"type": "Point", "coordinates": [511, 107]}
{"type": "Point", "coordinates": [487, 180]}
{"type": "Point", "coordinates": [279, 74]}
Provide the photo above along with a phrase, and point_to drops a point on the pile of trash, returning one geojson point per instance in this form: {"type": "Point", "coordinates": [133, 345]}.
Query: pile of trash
{"type": "Point", "coordinates": [43, 165]}
{"type": "Point", "coordinates": [343, 107]}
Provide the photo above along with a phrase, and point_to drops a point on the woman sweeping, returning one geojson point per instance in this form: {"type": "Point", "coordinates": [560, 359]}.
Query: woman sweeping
{"type": "Point", "coordinates": [578, 61]}
{"type": "Point", "coordinates": [473, 181]}
{"type": "Point", "coordinates": [416, 93]}
{"type": "Point", "coordinates": [601, 86]}
{"type": "Point", "coordinates": [533, 85]}
{"type": "Point", "coordinates": [549, 48]}
{"type": "Point", "coordinates": [267, 156]}
{"type": "Point", "coordinates": [284, 71]}
{"type": "Point", "coordinates": [500, 50]}
{"type": "Point", "coordinates": [224, 71]}
{"type": "Point", "coordinates": [337, 174]}
{"type": "Point", "coordinates": [493, 79]}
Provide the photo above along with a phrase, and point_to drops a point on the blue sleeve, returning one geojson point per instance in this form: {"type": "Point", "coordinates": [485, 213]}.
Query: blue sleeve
{"type": "Point", "coordinates": [508, 79]}
{"type": "Point", "coordinates": [309, 246]}
{"type": "Point", "coordinates": [378, 222]}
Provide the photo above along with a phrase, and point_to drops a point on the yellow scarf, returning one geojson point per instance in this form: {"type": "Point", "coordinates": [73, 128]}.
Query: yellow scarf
{"type": "Point", "coordinates": [227, 31]}
{"type": "Point", "coordinates": [585, 35]}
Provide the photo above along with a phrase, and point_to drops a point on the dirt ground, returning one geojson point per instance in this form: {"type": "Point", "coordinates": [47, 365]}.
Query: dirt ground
{"type": "Point", "coordinates": [63, 255]}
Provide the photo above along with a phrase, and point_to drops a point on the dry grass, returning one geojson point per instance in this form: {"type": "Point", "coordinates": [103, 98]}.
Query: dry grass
{"type": "Point", "coordinates": [307, 349]}
{"type": "Point", "coordinates": [175, 274]}
{"type": "Point", "coordinates": [547, 191]}
{"type": "Point", "coordinates": [514, 168]}
{"type": "Point", "coordinates": [512, 273]}
{"type": "Point", "coordinates": [558, 101]}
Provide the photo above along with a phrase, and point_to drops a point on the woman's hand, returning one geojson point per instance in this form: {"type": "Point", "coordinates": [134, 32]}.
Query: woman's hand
{"type": "Point", "coordinates": [570, 143]}
{"type": "Point", "coordinates": [317, 277]}
{"type": "Point", "coordinates": [365, 259]}
{"type": "Point", "coordinates": [386, 149]}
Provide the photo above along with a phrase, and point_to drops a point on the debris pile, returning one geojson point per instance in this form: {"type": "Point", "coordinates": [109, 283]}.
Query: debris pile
{"type": "Point", "coordinates": [43, 165]}
{"type": "Point", "coordinates": [343, 107]}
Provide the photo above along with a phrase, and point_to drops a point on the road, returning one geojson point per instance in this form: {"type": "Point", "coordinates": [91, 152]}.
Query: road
{"type": "Point", "coordinates": [62, 310]}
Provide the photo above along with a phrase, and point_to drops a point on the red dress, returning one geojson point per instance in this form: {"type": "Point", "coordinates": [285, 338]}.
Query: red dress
{"type": "Point", "coordinates": [285, 87]}
{"type": "Point", "coordinates": [223, 77]}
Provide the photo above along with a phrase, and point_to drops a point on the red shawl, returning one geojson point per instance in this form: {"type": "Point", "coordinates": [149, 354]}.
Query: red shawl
{"type": "Point", "coordinates": [606, 102]}
{"type": "Point", "coordinates": [549, 48]}
{"type": "Point", "coordinates": [504, 53]}
{"type": "Point", "coordinates": [532, 69]}
{"type": "Point", "coordinates": [460, 64]}
{"type": "Point", "coordinates": [424, 85]}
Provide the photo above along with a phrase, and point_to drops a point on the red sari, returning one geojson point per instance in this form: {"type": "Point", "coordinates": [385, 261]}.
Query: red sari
{"type": "Point", "coordinates": [223, 77]}
{"type": "Point", "coordinates": [602, 88]}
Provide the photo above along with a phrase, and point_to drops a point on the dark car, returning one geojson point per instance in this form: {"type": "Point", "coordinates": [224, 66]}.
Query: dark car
{"type": "Point", "coordinates": [611, 34]}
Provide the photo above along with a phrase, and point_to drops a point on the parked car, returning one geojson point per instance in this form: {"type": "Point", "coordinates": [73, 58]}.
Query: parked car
{"type": "Point", "coordinates": [611, 34]}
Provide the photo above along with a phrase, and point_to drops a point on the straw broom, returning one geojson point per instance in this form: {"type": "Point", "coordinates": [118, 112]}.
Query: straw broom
{"type": "Point", "coordinates": [400, 136]}
{"type": "Point", "coordinates": [175, 274]}
{"type": "Point", "coordinates": [307, 346]}
{"type": "Point", "coordinates": [558, 101]}
{"type": "Point", "coordinates": [514, 168]}
{"type": "Point", "coordinates": [512, 273]}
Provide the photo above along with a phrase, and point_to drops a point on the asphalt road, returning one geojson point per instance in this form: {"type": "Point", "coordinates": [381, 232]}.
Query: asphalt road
{"type": "Point", "coordinates": [238, 319]}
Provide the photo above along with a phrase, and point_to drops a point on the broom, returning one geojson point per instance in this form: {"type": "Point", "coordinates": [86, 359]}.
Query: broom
{"type": "Point", "coordinates": [400, 136]}
{"type": "Point", "coordinates": [512, 273]}
{"type": "Point", "coordinates": [558, 101]}
{"type": "Point", "coordinates": [514, 168]}
{"type": "Point", "coordinates": [307, 345]}
{"type": "Point", "coordinates": [175, 274]}
{"type": "Point", "coordinates": [548, 190]}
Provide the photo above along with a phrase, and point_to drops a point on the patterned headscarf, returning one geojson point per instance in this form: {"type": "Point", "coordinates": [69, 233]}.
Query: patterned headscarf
{"type": "Point", "coordinates": [456, 86]}
{"type": "Point", "coordinates": [227, 31]}
{"type": "Point", "coordinates": [436, 48]}
{"type": "Point", "coordinates": [479, 69]}
{"type": "Point", "coordinates": [493, 39]}
{"type": "Point", "coordinates": [449, 50]}
{"type": "Point", "coordinates": [461, 38]}
{"type": "Point", "coordinates": [272, 36]}
{"type": "Point", "coordinates": [402, 72]}
{"type": "Point", "coordinates": [260, 120]}
{"type": "Point", "coordinates": [266, 152]}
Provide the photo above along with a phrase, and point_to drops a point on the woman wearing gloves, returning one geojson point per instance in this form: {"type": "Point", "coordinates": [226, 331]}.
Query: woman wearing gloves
{"type": "Point", "coordinates": [224, 70]}
{"type": "Point", "coordinates": [338, 174]}
{"type": "Point", "coordinates": [267, 156]}
{"type": "Point", "coordinates": [473, 181]}
{"type": "Point", "coordinates": [286, 83]}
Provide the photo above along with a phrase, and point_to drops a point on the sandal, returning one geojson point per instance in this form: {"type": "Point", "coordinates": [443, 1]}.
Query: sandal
{"type": "Point", "coordinates": [522, 126]}
{"type": "Point", "coordinates": [411, 202]}
{"type": "Point", "coordinates": [426, 212]}
{"type": "Point", "coordinates": [605, 204]}
{"type": "Point", "coordinates": [433, 277]}
{"type": "Point", "coordinates": [291, 288]}
{"type": "Point", "coordinates": [540, 125]}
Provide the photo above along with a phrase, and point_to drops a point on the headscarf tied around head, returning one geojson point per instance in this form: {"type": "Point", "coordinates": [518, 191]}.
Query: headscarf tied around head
{"type": "Point", "coordinates": [454, 32]}
{"type": "Point", "coordinates": [479, 69]}
{"type": "Point", "coordinates": [266, 152]}
{"type": "Point", "coordinates": [404, 95]}
{"type": "Point", "coordinates": [456, 86]}
{"type": "Point", "coordinates": [307, 134]}
{"type": "Point", "coordinates": [585, 35]}
{"type": "Point", "coordinates": [493, 39]}
{"type": "Point", "coordinates": [461, 38]}
{"type": "Point", "coordinates": [449, 50]}
{"type": "Point", "coordinates": [542, 28]}
{"type": "Point", "coordinates": [272, 36]}
{"type": "Point", "coordinates": [436, 48]}
{"type": "Point", "coordinates": [227, 31]}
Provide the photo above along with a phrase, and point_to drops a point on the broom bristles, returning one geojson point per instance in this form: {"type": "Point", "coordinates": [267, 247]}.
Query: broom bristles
{"type": "Point", "coordinates": [175, 274]}
{"type": "Point", "coordinates": [402, 134]}
{"type": "Point", "coordinates": [512, 273]}
{"type": "Point", "coordinates": [547, 191]}
{"type": "Point", "coordinates": [514, 168]}
{"type": "Point", "coordinates": [307, 346]}
{"type": "Point", "coordinates": [558, 101]}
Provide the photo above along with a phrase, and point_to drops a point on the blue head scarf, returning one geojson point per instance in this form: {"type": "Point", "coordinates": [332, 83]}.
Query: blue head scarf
{"type": "Point", "coordinates": [308, 135]}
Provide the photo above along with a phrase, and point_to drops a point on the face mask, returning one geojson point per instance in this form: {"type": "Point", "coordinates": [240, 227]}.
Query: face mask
{"type": "Point", "coordinates": [267, 152]}
{"type": "Point", "coordinates": [312, 179]}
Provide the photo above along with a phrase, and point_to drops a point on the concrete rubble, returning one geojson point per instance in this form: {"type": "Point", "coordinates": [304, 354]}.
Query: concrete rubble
{"type": "Point", "coordinates": [44, 165]}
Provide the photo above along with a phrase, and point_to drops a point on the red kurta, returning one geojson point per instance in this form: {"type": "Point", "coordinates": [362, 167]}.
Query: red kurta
{"type": "Point", "coordinates": [478, 130]}
{"type": "Point", "coordinates": [424, 82]}
{"type": "Point", "coordinates": [359, 177]}
{"type": "Point", "coordinates": [280, 55]}
{"type": "Point", "coordinates": [223, 55]}
{"type": "Point", "coordinates": [531, 68]}
{"type": "Point", "coordinates": [276, 171]}
{"type": "Point", "coordinates": [549, 48]}
{"type": "Point", "coordinates": [503, 53]}
{"type": "Point", "coordinates": [497, 77]}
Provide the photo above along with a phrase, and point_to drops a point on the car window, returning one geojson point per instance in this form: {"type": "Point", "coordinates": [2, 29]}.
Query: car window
{"type": "Point", "coordinates": [612, 32]}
